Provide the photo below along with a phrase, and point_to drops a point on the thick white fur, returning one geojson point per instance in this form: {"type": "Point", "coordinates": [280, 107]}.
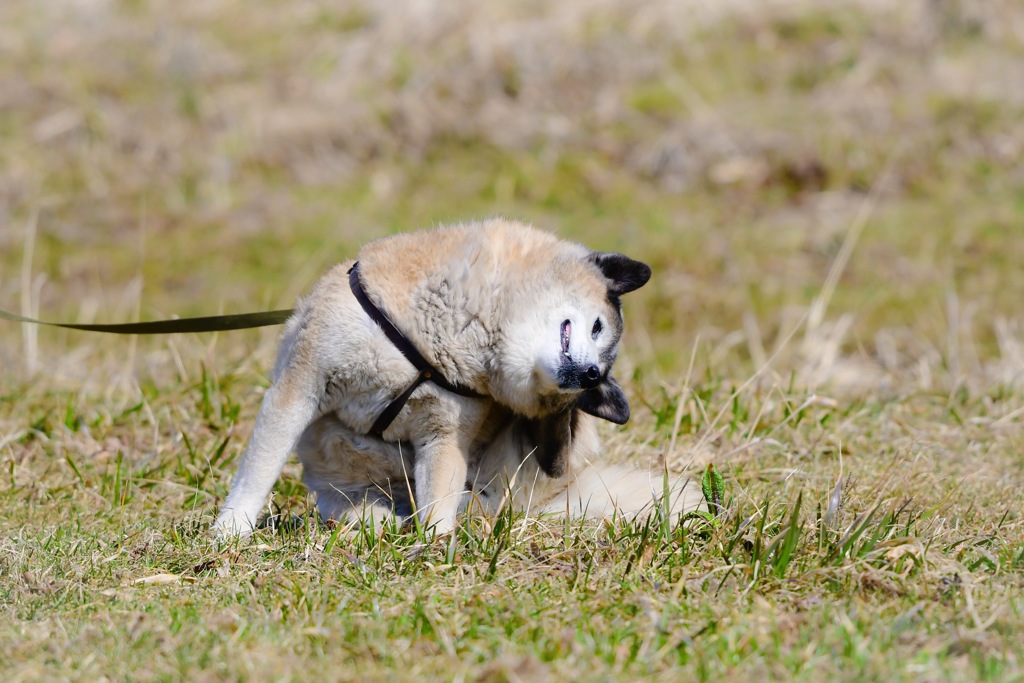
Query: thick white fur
{"type": "Point", "coordinates": [484, 303]}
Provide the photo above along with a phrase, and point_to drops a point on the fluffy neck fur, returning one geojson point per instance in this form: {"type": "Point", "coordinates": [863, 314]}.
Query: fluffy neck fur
{"type": "Point", "coordinates": [459, 298]}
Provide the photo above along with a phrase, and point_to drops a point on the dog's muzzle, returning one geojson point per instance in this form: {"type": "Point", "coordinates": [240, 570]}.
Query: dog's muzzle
{"type": "Point", "coordinates": [571, 375]}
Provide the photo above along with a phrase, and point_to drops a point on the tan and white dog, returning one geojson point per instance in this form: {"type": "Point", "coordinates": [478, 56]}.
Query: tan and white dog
{"type": "Point", "coordinates": [527, 323]}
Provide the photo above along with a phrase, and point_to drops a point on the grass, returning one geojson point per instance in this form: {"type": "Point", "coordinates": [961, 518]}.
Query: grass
{"type": "Point", "coordinates": [194, 158]}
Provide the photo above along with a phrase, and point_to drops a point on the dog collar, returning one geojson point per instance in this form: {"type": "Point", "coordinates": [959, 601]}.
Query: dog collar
{"type": "Point", "coordinates": [426, 372]}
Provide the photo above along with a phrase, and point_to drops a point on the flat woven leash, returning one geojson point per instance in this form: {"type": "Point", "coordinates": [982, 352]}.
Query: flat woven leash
{"type": "Point", "coordinates": [425, 371]}
{"type": "Point", "coordinates": [210, 323]}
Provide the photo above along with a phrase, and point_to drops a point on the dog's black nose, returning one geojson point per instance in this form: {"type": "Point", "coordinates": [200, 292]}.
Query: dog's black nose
{"type": "Point", "coordinates": [590, 377]}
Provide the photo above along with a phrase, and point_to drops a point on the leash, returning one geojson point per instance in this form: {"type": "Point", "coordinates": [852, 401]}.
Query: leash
{"type": "Point", "coordinates": [425, 371]}
{"type": "Point", "coordinates": [244, 321]}
{"type": "Point", "coordinates": [210, 323]}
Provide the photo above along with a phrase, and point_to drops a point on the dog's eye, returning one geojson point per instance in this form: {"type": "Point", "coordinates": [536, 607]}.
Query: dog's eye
{"type": "Point", "coordinates": [597, 328]}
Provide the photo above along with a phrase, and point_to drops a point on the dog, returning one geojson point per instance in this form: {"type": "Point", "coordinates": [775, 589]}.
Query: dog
{"type": "Point", "coordinates": [455, 341]}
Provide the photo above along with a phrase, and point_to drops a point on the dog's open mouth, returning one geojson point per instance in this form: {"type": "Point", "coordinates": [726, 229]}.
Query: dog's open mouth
{"type": "Point", "coordinates": [566, 335]}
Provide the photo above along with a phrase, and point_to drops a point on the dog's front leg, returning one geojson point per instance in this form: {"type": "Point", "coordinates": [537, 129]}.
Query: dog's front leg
{"type": "Point", "coordinates": [440, 473]}
{"type": "Point", "coordinates": [287, 409]}
{"type": "Point", "coordinates": [442, 432]}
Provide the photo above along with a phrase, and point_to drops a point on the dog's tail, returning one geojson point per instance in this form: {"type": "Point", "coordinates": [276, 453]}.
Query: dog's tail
{"type": "Point", "coordinates": [621, 491]}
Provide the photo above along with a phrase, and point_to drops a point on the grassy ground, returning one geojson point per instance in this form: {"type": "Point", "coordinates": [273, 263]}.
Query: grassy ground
{"type": "Point", "coordinates": [831, 197]}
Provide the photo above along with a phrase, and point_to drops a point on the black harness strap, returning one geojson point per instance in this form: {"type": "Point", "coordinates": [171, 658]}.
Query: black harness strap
{"type": "Point", "coordinates": [425, 370]}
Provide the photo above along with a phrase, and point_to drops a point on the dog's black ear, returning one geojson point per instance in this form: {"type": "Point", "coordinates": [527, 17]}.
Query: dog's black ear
{"type": "Point", "coordinates": [624, 273]}
{"type": "Point", "coordinates": [606, 401]}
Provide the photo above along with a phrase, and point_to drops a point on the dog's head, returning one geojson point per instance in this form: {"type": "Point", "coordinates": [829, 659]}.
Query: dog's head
{"type": "Point", "coordinates": [567, 336]}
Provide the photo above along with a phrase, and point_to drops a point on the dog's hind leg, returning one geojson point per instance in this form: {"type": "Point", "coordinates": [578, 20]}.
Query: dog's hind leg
{"type": "Point", "coordinates": [287, 409]}
{"type": "Point", "coordinates": [359, 480]}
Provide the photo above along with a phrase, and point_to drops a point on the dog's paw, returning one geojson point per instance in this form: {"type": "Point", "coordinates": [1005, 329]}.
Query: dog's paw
{"type": "Point", "coordinates": [232, 524]}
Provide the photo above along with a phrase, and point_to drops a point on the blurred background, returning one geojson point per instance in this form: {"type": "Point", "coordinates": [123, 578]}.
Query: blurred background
{"type": "Point", "coordinates": [835, 187]}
